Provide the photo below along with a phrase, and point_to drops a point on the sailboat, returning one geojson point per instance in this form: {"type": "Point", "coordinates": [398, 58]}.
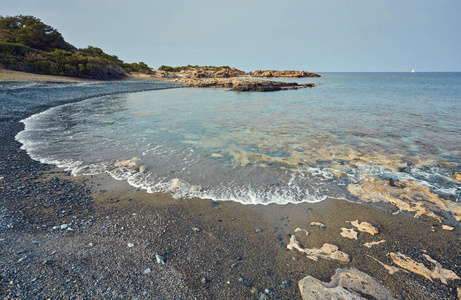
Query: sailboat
{"type": "Point", "coordinates": [412, 71]}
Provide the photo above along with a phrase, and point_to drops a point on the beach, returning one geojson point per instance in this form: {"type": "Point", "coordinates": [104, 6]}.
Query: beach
{"type": "Point", "coordinates": [87, 237]}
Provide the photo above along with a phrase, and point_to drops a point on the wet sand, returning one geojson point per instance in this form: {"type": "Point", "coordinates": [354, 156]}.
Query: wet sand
{"type": "Point", "coordinates": [117, 231]}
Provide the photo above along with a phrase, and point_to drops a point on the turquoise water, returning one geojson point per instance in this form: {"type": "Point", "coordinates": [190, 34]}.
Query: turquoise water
{"type": "Point", "coordinates": [260, 148]}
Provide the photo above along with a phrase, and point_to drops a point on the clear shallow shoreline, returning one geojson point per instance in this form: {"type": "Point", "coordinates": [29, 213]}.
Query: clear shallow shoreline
{"type": "Point", "coordinates": [228, 230]}
{"type": "Point", "coordinates": [340, 140]}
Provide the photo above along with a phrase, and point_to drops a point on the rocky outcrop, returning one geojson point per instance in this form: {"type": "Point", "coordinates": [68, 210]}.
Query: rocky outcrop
{"type": "Point", "coordinates": [245, 85]}
{"type": "Point", "coordinates": [227, 73]}
{"type": "Point", "coordinates": [282, 74]}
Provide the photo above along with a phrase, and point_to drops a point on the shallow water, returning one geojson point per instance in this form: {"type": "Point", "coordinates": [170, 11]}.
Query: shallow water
{"type": "Point", "coordinates": [260, 148]}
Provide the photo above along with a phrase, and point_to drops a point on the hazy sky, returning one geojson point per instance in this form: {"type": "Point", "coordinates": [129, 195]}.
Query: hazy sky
{"type": "Point", "coordinates": [321, 35]}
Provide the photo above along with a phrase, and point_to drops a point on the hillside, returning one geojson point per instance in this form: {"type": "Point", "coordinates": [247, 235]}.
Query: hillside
{"type": "Point", "coordinates": [29, 45]}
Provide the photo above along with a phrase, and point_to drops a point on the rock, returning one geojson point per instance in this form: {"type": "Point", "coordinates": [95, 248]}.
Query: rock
{"type": "Point", "coordinates": [321, 225]}
{"type": "Point", "coordinates": [204, 280]}
{"type": "Point", "coordinates": [303, 230]}
{"type": "Point", "coordinates": [195, 229]}
{"type": "Point", "coordinates": [349, 233]}
{"type": "Point", "coordinates": [258, 230]}
{"type": "Point", "coordinates": [90, 244]}
{"type": "Point", "coordinates": [446, 227]}
{"type": "Point", "coordinates": [390, 269]}
{"type": "Point", "coordinates": [413, 198]}
{"type": "Point", "coordinates": [64, 226]}
{"type": "Point", "coordinates": [328, 251]}
{"type": "Point", "coordinates": [371, 244]}
{"type": "Point", "coordinates": [247, 283]}
{"type": "Point", "coordinates": [269, 292]}
{"type": "Point", "coordinates": [160, 259]}
{"type": "Point", "coordinates": [438, 272]}
{"type": "Point", "coordinates": [345, 284]}
{"type": "Point", "coordinates": [254, 291]}
{"type": "Point", "coordinates": [143, 169]}
{"type": "Point", "coordinates": [364, 227]}
{"type": "Point", "coordinates": [282, 74]}
{"type": "Point", "coordinates": [246, 85]}
{"type": "Point", "coordinates": [130, 245]}
{"type": "Point", "coordinates": [147, 271]}
{"type": "Point", "coordinates": [457, 177]}
{"type": "Point", "coordinates": [263, 297]}
{"type": "Point", "coordinates": [234, 265]}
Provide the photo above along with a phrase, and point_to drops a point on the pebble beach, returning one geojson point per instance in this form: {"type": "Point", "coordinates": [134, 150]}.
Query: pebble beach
{"type": "Point", "coordinates": [93, 237]}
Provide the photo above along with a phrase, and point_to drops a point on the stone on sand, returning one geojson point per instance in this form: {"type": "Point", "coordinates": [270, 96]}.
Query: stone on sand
{"type": "Point", "coordinates": [371, 244]}
{"type": "Point", "coordinates": [364, 227]}
{"type": "Point", "coordinates": [345, 284]}
{"type": "Point", "coordinates": [438, 272]}
{"type": "Point", "coordinates": [349, 233]}
{"type": "Point", "coordinates": [327, 251]}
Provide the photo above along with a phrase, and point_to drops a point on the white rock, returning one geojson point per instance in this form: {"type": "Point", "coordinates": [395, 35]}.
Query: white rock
{"type": "Point", "coordinates": [64, 226]}
{"type": "Point", "coordinates": [130, 245]}
{"type": "Point", "coordinates": [147, 271]}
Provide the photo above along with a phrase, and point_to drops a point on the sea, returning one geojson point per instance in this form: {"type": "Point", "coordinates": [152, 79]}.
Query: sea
{"type": "Point", "coordinates": [282, 147]}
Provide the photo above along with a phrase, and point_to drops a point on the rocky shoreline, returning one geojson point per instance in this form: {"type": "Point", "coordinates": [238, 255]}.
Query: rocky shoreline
{"type": "Point", "coordinates": [245, 85]}
{"type": "Point", "coordinates": [64, 237]}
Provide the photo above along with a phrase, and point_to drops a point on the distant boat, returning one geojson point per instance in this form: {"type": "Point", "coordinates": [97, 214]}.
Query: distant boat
{"type": "Point", "coordinates": [412, 71]}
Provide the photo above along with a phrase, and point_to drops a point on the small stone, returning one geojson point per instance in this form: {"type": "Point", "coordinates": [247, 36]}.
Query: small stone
{"type": "Point", "coordinates": [144, 293]}
{"type": "Point", "coordinates": [234, 265]}
{"type": "Point", "coordinates": [69, 229]}
{"type": "Point", "coordinates": [160, 259]}
{"type": "Point", "coordinates": [35, 242]}
{"type": "Point", "coordinates": [130, 245]}
{"type": "Point", "coordinates": [56, 227]}
{"type": "Point", "coordinates": [64, 226]}
{"type": "Point", "coordinates": [247, 283]}
{"type": "Point", "coordinates": [90, 244]}
{"type": "Point", "coordinates": [241, 280]}
{"type": "Point", "coordinates": [263, 297]}
{"type": "Point", "coordinates": [269, 292]}
{"type": "Point", "coordinates": [147, 271]}
{"type": "Point", "coordinates": [258, 230]}
{"type": "Point", "coordinates": [196, 229]}
{"type": "Point", "coordinates": [143, 169]}
{"type": "Point", "coordinates": [254, 291]}
{"type": "Point", "coordinates": [214, 204]}
{"type": "Point", "coordinates": [204, 280]}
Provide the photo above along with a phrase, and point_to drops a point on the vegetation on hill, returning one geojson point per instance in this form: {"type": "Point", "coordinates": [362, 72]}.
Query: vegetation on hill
{"type": "Point", "coordinates": [29, 45]}
{"type": "Point", "coordinates": [189, 68]}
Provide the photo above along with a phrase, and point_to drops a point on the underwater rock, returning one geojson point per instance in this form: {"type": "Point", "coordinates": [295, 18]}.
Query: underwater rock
{"type": "Point", "coordinates": [364, 227]}
{"type": "Point", "coordinates": [128, 163]}
{"type": "Point", "coordinates": [345, 284]}
{"type": "Point", "coordinates": [413, 198]}
{"type": "Point", "coordinates": [438, 272]}
{"type": "Point", "coordinates": [349, 233]}
{"type": "Point", "coordinates": [371, 244]}
{"type": "Point", "coordinates": [328, 251]}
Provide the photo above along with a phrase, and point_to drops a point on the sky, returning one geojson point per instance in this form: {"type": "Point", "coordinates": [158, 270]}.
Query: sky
{"type": "Point", "coordinates": [316, 36]}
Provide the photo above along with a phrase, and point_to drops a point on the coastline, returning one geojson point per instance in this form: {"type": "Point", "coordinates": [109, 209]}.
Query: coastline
{"type": "Point", "coordinates": [110, 214]}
